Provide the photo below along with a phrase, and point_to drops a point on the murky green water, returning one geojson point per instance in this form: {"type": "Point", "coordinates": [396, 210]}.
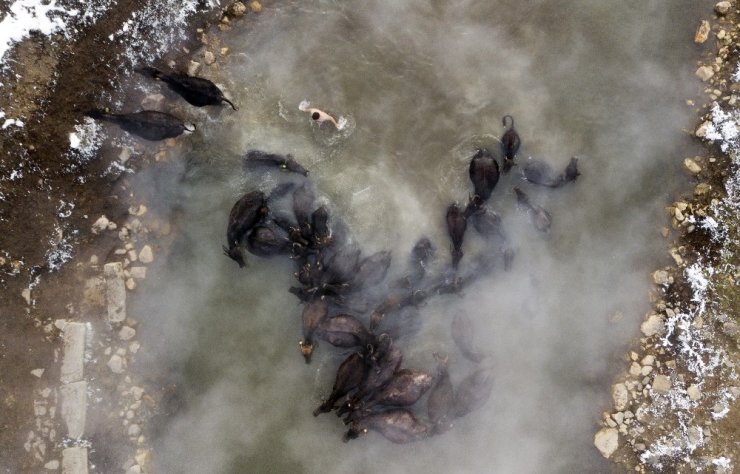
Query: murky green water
{"type": "Point", "coordinates": [422, 84]}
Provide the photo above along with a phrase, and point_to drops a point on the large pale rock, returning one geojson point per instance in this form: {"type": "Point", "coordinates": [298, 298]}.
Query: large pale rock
{"type": "Point", "coordinates": [74, 408]}
{"type": "Point", "coordinates": [702, 33]}
{"type": "Point", "coordinates": [146, 255]}
{"type": "Point", "coordinates": [694, 392]}
{"type": "Point", "coordinates": [722, 8]}
{"type": "Point", "coordinates": [73, 357]}
{"type": "Point", "coordinates": [100, 225]}
{"type": "Point", "coordinates": [662, 384]}
{"type": "Point", "coordinates": [620, 396]}
{"type": "Point", "coordinates": [701, 131]}
{"type": "Point", "coordinates": [74, 460]}
{"type": "Point", "coordinates": [607, 441]}
{"type": "Point", "coordinates": [705, 73]}
{"type": "Point", "coordinates": [237, 9]}
{"type": "Point", "coordinates": [117, 364]}
{"type": "Point", "coordinates": [662, 277]}
{"type": "Point", "coordinates": [115, 291]}
{"type": "Point", "coordinates": [691, 166]}
{"type": "Point", "coordinates": [653, 325]}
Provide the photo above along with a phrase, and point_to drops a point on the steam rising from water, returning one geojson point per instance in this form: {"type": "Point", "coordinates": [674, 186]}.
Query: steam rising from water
{"type": "Point", "coordinates": [425, 83]}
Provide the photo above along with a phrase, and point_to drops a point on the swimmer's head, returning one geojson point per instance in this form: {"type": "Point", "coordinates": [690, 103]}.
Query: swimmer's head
{"type": "Point", "coordinates": [315, 115]}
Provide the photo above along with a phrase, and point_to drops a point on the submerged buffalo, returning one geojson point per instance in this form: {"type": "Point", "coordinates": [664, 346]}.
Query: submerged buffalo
{"type": "Point", "coordinates": [463, 334]}
{"type": "Point", "coordinates": [539, 172]}
{"type": "Point", "coordinates": [314, 313]}
{"type": "Point", "coordinates": [540, 217]}
{"type": "Point", "coordinates": [473, 391]}
{"type": "Point", "coordinates": [343, 330]}
{"type": "Point", "coordinates": [510, 143]}
{"type": "Point", "coordinates": [246, 213]}
{"type": "Point", "coordinates": [256, 158]}
{"type": "Point", "coordinates": [456, 225]}
{"type": "Point", "coordinates": [484, 173]}
{"type": "Point", "coordinates": [148, 124]}
{"type": "Point", "coordinates": [404, 389]}
{"type": "Point", "coordinates": [196, 90]}
{"type": "Point", "coordinates": [397, 425]}
{"type": "Point", "coordinates": [441, 401]}
{"type": "Point", "coordinates": [266, 241]}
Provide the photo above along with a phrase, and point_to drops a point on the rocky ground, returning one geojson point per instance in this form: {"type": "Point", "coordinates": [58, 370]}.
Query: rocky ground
{"type": "Point", "coordinates": [675, 406]}
{"type": "Point", "coordinates": [74, 241]}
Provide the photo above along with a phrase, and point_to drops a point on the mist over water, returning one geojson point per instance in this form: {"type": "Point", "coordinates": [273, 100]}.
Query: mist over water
{"type": "Point", "coordinates": [423, 84]}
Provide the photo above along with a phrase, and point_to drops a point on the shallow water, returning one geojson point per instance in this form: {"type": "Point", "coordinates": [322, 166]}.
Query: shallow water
{"type": "Point", "coordinates": [422, 85]}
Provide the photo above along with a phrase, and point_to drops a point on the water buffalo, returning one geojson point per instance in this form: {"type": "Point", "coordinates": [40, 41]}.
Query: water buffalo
{"type": "Point", "coordinates": [397, 425]}
{"type": "Point", "coordinates": [540, 217]}
{"type": "Point", "coordinates": [484, 173]}
{"type": "Point", "coordinates": [196, 90]}
{"type": "Point", "coordinates": [148, 124]}
{"type": "Point", "coordinates": [441, 401]}
{"type": "Point", "coordinates": [463, 334]}
{"type": "Point", "coordinates": [456, 225]}
{"type": "Point", "coordinates": [473, 391]}
{"type": "Point", "coordinates": [343, 330]}
{"type": "Point", "coordinates": [350, 374]}
{"type": "Point", "coordinates": [266, 241]}
{"type": "Point", "coordinates": [256, 158]}
{"type": "Point", "coordinates": [314, 312]}
{"type": "Point", "coordinates": [246, 213]}
{"type": "Point", "coordinates": [510, 143]}
{"type": "Point", "coordinates": [404, 389]}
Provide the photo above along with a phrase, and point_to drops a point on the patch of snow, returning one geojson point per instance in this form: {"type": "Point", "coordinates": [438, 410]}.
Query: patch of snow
{"type": "Point", "coordinates": [736, 74]}
{"type": "Point", "coordinates": [31, 15]}
{"type": "Point", "coordinates": [86, 139]}
{"type": "Point", "coordinates": [9, 122]}
{"type": "Point", "coordinates": [724, 128]}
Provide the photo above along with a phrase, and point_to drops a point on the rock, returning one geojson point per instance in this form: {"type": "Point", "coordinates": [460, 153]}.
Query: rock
{"type": "Point", "coordinates": [138, 273]}
{"type": "Point", "coordinates": [131, 255]}
{"type": "Point", "coordinates": [691, 166]}
{"type": "Point", "coordinates": [134, 430]}
{"type": "Point", "coordinates": [74, 407]}
{"type": "Point", "coordinates": [694, 392]}
{"type": "Point", "coordinates": [94, 292]}
{"type": "Point", "coordinates": [731, 328]}
{"type": "Point", "coordinates": [224, 51]}
{"type": "Point", "coordinates": [646, 369]}
{"type": "Point", "coordinates": [130, 284]}
{"type": "Point", "coordinates": [701, 132]}
{"type": "Point", "coordinates": [116, 364]}
{"type": "Point", "coordinates": [722, 8]}
{"type": "Point", "coordinates": [255, 6]}
{"type": "Point", "coordinates": [74, 460]}
{"type": "Point", "coordinates": [73, 353]}
{"type": "Point", "coordinates": [635, 369]}
{"type": "Point", "coordinates": [26, 295]}
{"type": "Point", "coordinates": [237, 9]}
{"type": "Point", "coordinates": [702, 33]}
{"type": "Point", "coordinates": [620, 396]}
{"type": "Point", "coordinates": [705, 73]}
{"type": "Point", "coordinates": [52, 465]}
{"type": "Point", "coordinates": [607, 441]}
{"type": "Point", "coordinates": [126, 333]}
{"type": "Point", "coordinates": [100, 225]}
{"type": "Point", "coordinates": [648, 360]}
{"type": "Point", "coordinates": [678, 214]}
{"type": "Point", "coordinates": [209, 58]}
{"type": "Point", "coordinates": [702, 188]}
{"type": "Point", "coordinates": [137, 392]}
{"type": "Point", "coordinates": [653, 325]}
{"type": "Point", "coordinates": [194, 68]}
{"type": "Point", "coordinates": [146, 255]}
{"type": "Point", "coordinates": [695, 436]}
{"type": "Point", "coordinates": [618, 417]}
{"type": "Point", "coordinates": [661, 384]}
{"type": "Point", "coordinates": [134, 347]}
{"type": "Point", "coordinates": [661, 277]}
{"type": "Point", "coordinates": [37, 372]}
{"type": "Point", "coordinates": [135, 469]}
{"type": "Point", "coordinates": [115, 292]}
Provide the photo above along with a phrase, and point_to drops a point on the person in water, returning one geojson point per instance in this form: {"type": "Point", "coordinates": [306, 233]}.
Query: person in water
{"type": "Point", "coordinates": [318, 115]}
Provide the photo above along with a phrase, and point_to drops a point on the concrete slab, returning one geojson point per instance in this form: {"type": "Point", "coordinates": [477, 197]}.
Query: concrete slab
{"type": "Point", "coordinates": [73, 357]}
{"type": "Point", "coordinates": [74, 460]}
{"type": "Point", "coordinates": [115, 291]}
{"type": "Point", "coordinates": [74, 408]}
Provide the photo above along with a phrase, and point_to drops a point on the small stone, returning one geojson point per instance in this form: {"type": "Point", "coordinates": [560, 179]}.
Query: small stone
{"type": "Point", "coordinates": [660, 277]}
{"type": "Point", "coordinates": [138, 273]}
{"type": "Point", "coordinates": [661, 384]}
{"type": "Point", "coordinates": [646, 369]}
{"type": "Point", "coordinates": [237, 9]}
{"type": "Point", "coordinates": [134, 347]}
{"type": "Point", "coordinates": [620, 396]}
{"type": "Point", "coordinates": [648, 360]}
{"type": "Point", "coordinates": [100, 225]}
{"type": "Point", "coordinates": [137, 392]}
{"type": "Point", "coordinates": [702, 188]}
{"type": "Point", "coordinates": [126, 333]}
{"type": "Point", "coordinates": [224, 51]}
{"type": "Point", "coordinates": [134, 430]}
{"type": "Point", "coordinates": [665, 231]}
{"type": "Point", "coordinates": [618, 417]}
{"type": "Point", "coordinates": [37, 372]}
{"type": "Point", "coordinates": [701, 132]}
{"type": "Point", "coordinates": [694, 392]}
{"type": "Point", "coordinates": [635, 369]}
{"type": "Point", "coordinates": [135, 469]}
{"type": "Point", "coordinates": [26, 295]}
{"type": "Point", "coordinates": [209, 58]}
{"type": "Point", "coordinates": [678, 214]}
{"type": "Point", "coordinates": [607, 441]}
{"type": "Point", "coordinates": [52, 465]}
{"type": "Point", "coordinates": [653, 325]}
{"type": "Point", "coordinates": [722, 8]}
{"type": "Point", "coordinates": [131, 255]}
{"type": "Point", "coordinates": [691, 166]}
{"type": "Point", "coordinates": [702, 33]}
{"type": "Point", "coordinates": [255, 6]}
{"type": "Point", "coordinates": [146, 255]}
{"type": "Point", "coordinates": [130, 284]}
{"type": "Point", "coordinates": [731, 328]}
{"type": "Point", "coordinates": [194, 68]}
{"type": "Point", "coordinates": [116, 364]}
{"type": "Point", "coordinates": [705, 73]}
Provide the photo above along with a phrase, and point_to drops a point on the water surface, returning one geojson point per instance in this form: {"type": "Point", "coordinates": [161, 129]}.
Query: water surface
{"type": "Point", "coordinates": [422, 85]}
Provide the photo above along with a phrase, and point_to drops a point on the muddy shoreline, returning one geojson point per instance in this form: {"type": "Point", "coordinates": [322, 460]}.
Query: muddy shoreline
{"type": "Point", "coordinates": [59, 81]}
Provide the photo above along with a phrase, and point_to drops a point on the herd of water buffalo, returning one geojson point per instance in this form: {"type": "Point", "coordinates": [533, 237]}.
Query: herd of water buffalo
{"type": "Point", "coordinates": [348, 301]}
